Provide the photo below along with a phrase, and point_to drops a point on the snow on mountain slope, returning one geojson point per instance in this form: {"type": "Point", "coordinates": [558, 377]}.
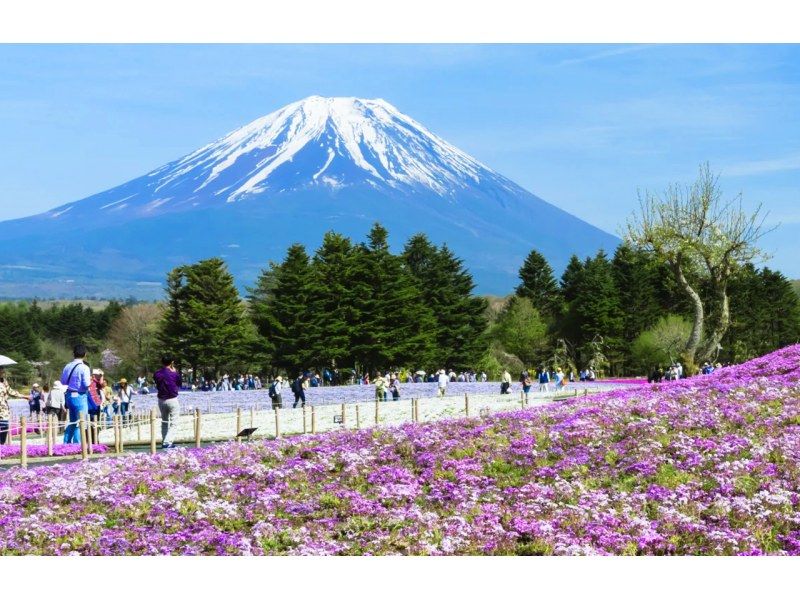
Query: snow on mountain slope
{"type": "Point", "coordinates": [311, 166]}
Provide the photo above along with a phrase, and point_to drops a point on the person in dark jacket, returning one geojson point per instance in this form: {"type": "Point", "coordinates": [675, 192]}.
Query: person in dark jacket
{"type": "Point", "coordinates": [298, 390]}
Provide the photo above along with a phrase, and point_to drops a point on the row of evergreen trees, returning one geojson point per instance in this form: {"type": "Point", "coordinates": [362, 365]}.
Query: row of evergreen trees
{"type": "Point", "coordinates": [600, 306]}
{"type": "Point", "coordinates": [26, 327]}
{"type": "Point", "coordinates": [352, 306]}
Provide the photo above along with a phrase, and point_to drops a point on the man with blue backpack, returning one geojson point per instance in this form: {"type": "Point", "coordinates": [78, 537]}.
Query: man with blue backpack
{"type": "Point", "coordinates": [298, 390]}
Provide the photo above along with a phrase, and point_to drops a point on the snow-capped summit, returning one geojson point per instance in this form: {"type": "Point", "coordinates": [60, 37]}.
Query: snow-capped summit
{"type": "Point", "coordinates": [314, 165]}
{"type": "Point", "coordinates": [338, 141]}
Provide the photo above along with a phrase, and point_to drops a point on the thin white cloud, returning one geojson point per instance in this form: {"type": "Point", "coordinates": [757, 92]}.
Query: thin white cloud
{"type": "Point", "coordinates": [755, 167]}
{"type": "Point", "coordinates": [607, 54]}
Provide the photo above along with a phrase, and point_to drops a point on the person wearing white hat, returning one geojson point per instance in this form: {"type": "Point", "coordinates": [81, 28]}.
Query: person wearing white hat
{"type": "Point", "coordinates": [443, 379]}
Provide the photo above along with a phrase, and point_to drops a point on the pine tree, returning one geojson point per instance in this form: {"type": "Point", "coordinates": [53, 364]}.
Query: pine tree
{"type": "Point", "coordinates": [595, 311]}
{"type": "Point", "coordinates": [521, 331]}
{"type": "Point", "coordinates": [393, 326]}
{"type": "Point", "coordinates": [539, 284]}
{"type": "Point", "coordinates": [331, 302]}
{"type": "Point", "coordinates": [570, 279]}
{"type": "Point", "coordinates": [281, 309]}
{"type": "Point", "coordinates": [636, 279]}
{"type": "Point", "coordinates": [446, 288]}
{"type": "Point", "coordinates": [205, 322]}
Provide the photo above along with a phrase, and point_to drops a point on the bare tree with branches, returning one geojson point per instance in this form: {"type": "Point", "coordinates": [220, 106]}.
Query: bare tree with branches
{"type": "Point", "coordinates": [693, 229]}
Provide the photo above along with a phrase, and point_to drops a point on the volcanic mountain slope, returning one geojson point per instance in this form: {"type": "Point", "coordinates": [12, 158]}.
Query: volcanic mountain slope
{"type": "Point", "coordinates": [314, 165]}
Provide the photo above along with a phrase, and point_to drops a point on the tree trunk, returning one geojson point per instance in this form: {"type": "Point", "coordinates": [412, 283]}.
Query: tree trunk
{"type": "Point", "coordinates": [719, 325]}
{"type": "Point", "coordinates": [697, 326]}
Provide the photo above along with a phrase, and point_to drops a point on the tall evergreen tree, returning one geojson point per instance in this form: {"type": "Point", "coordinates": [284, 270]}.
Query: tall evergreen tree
{"type": "Point", "coordinates": [595, 311]}
{"type": "Point", "coordinates": [393, 325]}
{"type": "Point", "coordinates": [281, 311]}
{"type": "Point", "coordinates": [205, 322]}
{"type": "Point", "coordinates": [570, 278]}
{"type": "Point", "coordinates": [446, 288]}
{"type": "Point", "coordinates": [331, 302]}
{"type": "Point", "coordinates": [539, 284]}
{"type": "Point", "coordinates": [636, 279]}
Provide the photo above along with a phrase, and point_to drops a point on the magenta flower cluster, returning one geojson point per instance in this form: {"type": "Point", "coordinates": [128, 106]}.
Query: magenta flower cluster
{"type": "Point", "coordinates": [707, 465]}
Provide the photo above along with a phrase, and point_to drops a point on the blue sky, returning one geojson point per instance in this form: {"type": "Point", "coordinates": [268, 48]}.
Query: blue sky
{"type": "Point", "coordinates": [582, 126]}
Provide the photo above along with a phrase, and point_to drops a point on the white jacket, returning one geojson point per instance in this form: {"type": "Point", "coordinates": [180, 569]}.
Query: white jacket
{"type": "Point", "coordinates": [55, 398]}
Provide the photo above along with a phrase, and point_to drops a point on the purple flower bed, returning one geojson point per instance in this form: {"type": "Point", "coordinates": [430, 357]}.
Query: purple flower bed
{"type": "Point", "coordinates": [40, 450]}
{"type": "Point", "coordinates": [708, 465]}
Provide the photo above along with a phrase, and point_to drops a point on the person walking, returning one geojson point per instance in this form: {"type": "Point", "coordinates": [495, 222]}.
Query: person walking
{"type": "Point", "coordinates": [275, 393]}
{"type": "Point", "coordinates": [5, 411]}
{"type": "Point", "coordinates": [168, 383]}
{"type": "Point", "coordinates": [442, 381]}
{"type": "Point", "coordinates": [97, 400]}
{"type": "Point", "coordinates": [76, 378]}
{"type": "Point", "coordinates": [544, 380]}
{"type": "Point", "coordinates": [298, 390]}
{"type": "Point", "coordinates": [560, 380]}
{"type": "Point", "coordinates": [505, 383]}
{"type": "Point", "coordinates": [527, 383]}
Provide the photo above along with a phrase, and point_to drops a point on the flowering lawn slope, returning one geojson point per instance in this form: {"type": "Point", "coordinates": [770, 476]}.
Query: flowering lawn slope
{"type": "Point", "coordinates": [703, 466]}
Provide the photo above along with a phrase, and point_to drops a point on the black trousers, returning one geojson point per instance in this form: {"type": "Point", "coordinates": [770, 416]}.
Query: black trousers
{"type": "Point", "coordinates": [298, 398]}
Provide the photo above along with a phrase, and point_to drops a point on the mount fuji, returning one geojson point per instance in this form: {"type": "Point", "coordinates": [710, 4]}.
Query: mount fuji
{"type": "Point", "coordinates": [315, 165]}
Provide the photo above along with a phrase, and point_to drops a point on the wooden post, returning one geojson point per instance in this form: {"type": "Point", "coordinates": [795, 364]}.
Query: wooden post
{"type": "Point", "coordinates": [585, 391]}
{"type": "Point", "coordinates": [304, 420]}
{"type": "Point", "coordinates": [277, 423]}
{"type": "Point", "coordinates": [153, 431]}
{"type": "Point", "coordinates": [377, 412]}
{"type": "Point", "coordinates": [116, 433]}
{"type": "Point", "coordinates": [238, 421]}
{"type": "Point", "coordinates": [466, 404]}
{"type": "Point", "coordinates": [138, 417]}
{"type": "Point", "coordinates": [121, 434]}
{"type": "Point", "coordinates": [23, 442]}
{"type": "Point", "coordinates": [50, 435]}
{"type": "Point", "coordinates": [89, 435]}
{"type": "Point", "coordinates": [358, 418]}
{"type": "Point", "coordinates": [576, 393]}
{"type": "Point", "coordinates": [313, 420]}
{"type": "Point", "coordinates": [82, 432]}
{"type": "Point", "coordinates": [252, 416]}
{"type": "Point", "coordinates": [344, 416]}
{"type": "Point", "coordinates": [197, 428]}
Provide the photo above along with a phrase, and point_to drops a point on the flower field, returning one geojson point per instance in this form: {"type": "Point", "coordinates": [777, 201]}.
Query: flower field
{"type": "Point", "coordinates": [708, 465]}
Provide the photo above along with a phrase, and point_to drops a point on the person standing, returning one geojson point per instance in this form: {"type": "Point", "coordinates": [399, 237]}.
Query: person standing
{"type": "Point", "coordinates": [380, 388]}
{"type": "Point", "coordinates": [442, 383]}
{"type": "Point", "coordinates": [5, 411]}
{"type": "Point", "coordinates": [275, 393]}
{"type": "Point", "coordinates": [505, 383]}
{"type": "Point", "coordinates": [76, 378]}
{"type": "Point", "coordinates": [96, 402]}
{"type": "Point", "coordinates": [54, 401]}
{"type": "Point", "coordinates": [35, 400]}
{"type": "Point", "coordinates": [394, 387]}
{"type": "Point", "coordinates": [124, 395]}
{"type": "Point", "coordinates": [527, 383]}
{"type": "Point", "coordinates": [168, 382]}
{"type": "Point", "coordinates": [298, 390]}
{"type": "Point", "coordinates": [544, 380]}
